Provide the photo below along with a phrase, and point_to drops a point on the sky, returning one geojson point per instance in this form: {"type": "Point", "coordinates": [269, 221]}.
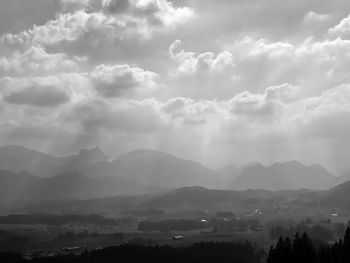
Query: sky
{"type": "Point", "coordinates": [215, 81]}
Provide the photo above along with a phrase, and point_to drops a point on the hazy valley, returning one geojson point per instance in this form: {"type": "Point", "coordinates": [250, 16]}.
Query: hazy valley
{"type": "Point", "coordinates": [89, 200]}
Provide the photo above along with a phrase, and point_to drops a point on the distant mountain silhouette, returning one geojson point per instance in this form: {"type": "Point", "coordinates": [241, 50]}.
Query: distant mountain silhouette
{"type": "Point", "coordinates": [229, 173]}
{"type": "Point", "coordinates": [18, 159]}
{"type": "Point", "coordinates": [153, 168]}
{"type": "Point", "coordinates": [338, 196]}
{"type": "Point", "coordinates": [14, 185]}
{"type": "Point", "coordinates": [27, 188]}
{"type": "Point", "coordinates": [345, 176]}
{"type": "Point", "coordinates": [144, 166]}
{"type": "Point", "coordinates": [188, 198]}
{"type": "Point", "coordinates": [162, 169]}
{"type": "Point", "coordinates": [283, 176]}
{"type": "Point", "coordinates": [192, 198]}
{"type": "Point", "coordinates": [146, 169]}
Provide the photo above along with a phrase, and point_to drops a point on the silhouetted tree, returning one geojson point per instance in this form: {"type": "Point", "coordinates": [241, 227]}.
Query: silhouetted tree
{"type": "Point", "coordinates": [282, 252]}
{"type": "Point", "coordinates": [346, 245]}
{"type": "Point", "coordinates": [303, 250]}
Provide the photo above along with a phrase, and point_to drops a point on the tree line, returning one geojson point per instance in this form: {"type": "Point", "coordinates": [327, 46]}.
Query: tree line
{"type": "Point", "coordinates": [201, 252]}
{"type": "Point", "coordinates": [316, 232]}
{"type": "Point", "coordinates": [48, 219]}
{"type": "Point", "coordinates": [302, 250]}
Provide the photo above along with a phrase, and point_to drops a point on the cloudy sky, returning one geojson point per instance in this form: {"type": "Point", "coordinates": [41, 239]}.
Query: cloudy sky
{"type": "Point", "coordinates": [216, 81]}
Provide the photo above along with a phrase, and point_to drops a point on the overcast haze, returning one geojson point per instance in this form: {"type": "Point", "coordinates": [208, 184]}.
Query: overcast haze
{"type": "Point", "coordinates": [229, 81]}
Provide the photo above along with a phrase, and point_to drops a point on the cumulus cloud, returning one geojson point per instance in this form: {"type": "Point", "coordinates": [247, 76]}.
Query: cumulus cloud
{"type": "Point", "coordinates": [188, 111]}
{"type": "Point", "coordinates": [143, 18]}
{"type": "Point", "coordinates": [190, 62]}
{"type": "Point", "coordinates": [315, 64]}
{"type": "Point", "coordinates": [254, 106]}
{"type": "Point", "coordinates": [181, 111]}
{"type": "Point", "coordinates": [284, 93]}
{"type": "Point", "coordinates": [67, 27]}
{"type": "Point", "coordinates": [36, 60]}
{"type": "Point", "coordinates": [114, 81]}
{"type": "Point", "coordinates": [214, 73]}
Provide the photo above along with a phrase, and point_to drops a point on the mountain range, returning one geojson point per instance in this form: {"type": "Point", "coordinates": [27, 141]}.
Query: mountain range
{"type": "Point", "coordinates": [19, 159]}
{"type": "Point", "coordinates": [27, 188]}
{"type": "Point", "coordinates": [30, 175]}
{"type": "Point", "coordinates": [153, 168]}
{"type": "Point", "coordinates": [283, 176]}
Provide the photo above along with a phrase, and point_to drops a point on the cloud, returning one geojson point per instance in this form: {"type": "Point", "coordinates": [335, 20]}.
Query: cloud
{"type": "Point", "coordinates": [216, 81]}
{"type": "Point", "coordinates": [341, 29]}
{"type": "Point", "coordinates": [35, 92]}
{"type": "Point", "coordinates": [315, 64]}
{"type": "Point", "coordinates": [191, 63]}
{"type": "Point", "coordinates": [38, 96]}
{"type": "Point", "coordinates": [285, 93]}
{"type": "Point", "coordinates": [214, 73]}
{"type": "Point", "coordinates": [253, 106]}
{"type": "Point", "coordinates": [188, 111]}
{"type": "Point", "coordinates": [114, 81]}
{"type": "Point", "coordinates": [331, 101]}
{"type": "Point", "coordinates": [35, 60]}
{"type": "Point", "coordinates": [147, 115]}
{"type": "Point", "coordinates": [277, 116]}
{"type": "Point", "coordinates": [142, 19]}
{"type": "Point", "coordinates": [314, 17]}
{"type": "Point", "coordinates": [67, 27]}
{"type": "Point", "coordinates": [269, 105]}
{"type": "Point", "coordinates": [128, 116]}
